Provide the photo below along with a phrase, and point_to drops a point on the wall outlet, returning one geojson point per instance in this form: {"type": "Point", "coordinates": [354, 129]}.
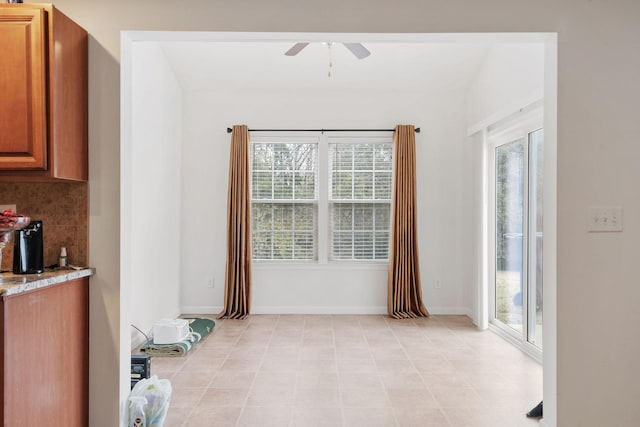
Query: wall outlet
{"type": "Point", "coordinates": [9, 206]}
{"type": "Point", "coordinates": [210, 283]}
{"type": "Point", "coordinates": [438, 285]}
{"type": "Point", "coordinates": [604, 219]}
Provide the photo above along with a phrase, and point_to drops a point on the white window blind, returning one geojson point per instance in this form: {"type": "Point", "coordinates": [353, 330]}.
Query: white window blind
{"type": "Point", "coordinates": [360, 177]}
{"type": "Point", "coordinates": [284, 200]}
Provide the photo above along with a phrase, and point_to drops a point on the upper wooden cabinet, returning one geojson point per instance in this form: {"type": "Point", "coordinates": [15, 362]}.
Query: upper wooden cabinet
{"type": "Point", "coordinates": [43, 87]}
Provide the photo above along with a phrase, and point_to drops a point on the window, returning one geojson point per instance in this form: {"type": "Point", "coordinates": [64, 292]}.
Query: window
{"type": "Point", "coordinates": [360, 198]}
{"type": "Point", "coordinates": [284, 200]}
{"type": "Point", "coordinates": [321, 199]}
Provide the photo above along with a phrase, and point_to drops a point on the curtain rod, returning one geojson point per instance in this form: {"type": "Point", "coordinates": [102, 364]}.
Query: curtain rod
{"type": "Point", "coordinates": [229, 130]}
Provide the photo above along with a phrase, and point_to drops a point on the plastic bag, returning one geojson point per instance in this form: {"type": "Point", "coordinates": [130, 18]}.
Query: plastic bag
{"type": "Point", "coordinates": [148, 402]}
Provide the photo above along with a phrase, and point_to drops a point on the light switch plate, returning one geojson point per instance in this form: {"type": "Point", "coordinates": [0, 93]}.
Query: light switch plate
{"type": "Point", "coordinates": [604, 219]}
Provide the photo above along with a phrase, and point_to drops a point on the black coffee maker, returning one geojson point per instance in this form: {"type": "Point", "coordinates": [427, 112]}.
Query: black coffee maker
{"type": "Point", "coordinates": [28, 249]}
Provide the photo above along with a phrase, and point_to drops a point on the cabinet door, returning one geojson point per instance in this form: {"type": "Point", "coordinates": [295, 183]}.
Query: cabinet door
{"type": "Point", "coordinates": [45, 351]}
{"type": "Point", "coordinates": [23, 123]}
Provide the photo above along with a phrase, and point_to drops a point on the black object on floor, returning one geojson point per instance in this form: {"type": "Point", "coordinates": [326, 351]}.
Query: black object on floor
{"type": "Point", "coordinates": [140, 368]}
{"type": "Point", "coordinates": [535, 412]}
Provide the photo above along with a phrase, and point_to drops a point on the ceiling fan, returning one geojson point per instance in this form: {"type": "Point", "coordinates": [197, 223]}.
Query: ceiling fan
{"type": "Point", "coordinates": [358, 50]}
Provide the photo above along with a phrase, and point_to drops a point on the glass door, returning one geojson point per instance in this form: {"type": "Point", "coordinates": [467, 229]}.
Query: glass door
{"type": "Point", "coordinates": [518, 234]}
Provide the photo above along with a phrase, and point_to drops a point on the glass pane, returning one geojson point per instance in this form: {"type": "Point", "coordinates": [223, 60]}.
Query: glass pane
{"type": "Point", "coordinates": [342, 185]}
{"type": "Point", "coordinates": [305, 185]}
{"type": "Point", "coordinates": [536, 235]}
{"type": "Point", "coordinates": [509, 233]}
{"type": "Point", "coordinates": [382, 182]}
{"type": "Point", "coordinates": [362, 186]}
{"type": "Point", "coordinates": [261, 183]}
{"type": "Point", "coordinates": [383, 156]}
{"type": "Point", "coordinates": [381, 250]}
{"type": "Point", "coordinates": [363, 157]}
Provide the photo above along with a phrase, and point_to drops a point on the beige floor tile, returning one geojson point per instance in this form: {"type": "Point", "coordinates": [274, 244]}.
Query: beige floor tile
{"type": "Point", "coordinates": [319, 352]}
{"type": "Point", "coordinates": [186, 397]}
{"type": "Point", "coordinates": [364, 397]}
{"type": "Point", "coordinates": [389, 353]}
{"type": "Point", "coordinates": [313, 379]}
{"type": "Point", "coordinates": [322, 365]}
{"type": "Point", "coordinates": [316, 417]}
{"type": "Point", "coordinates": [275, 379]}
{"type": "Point", "coordinates": [441, 380]}
{"type": "Point", "coordinates": [232, 379]}
{"type": "Point", "coordinates": [421, 417]}
{"type": "Point", "coordinates": [412, 398]}
{"type": "Point", "coordinates": [369, 417]}
{"type": "Point", "coordinates": [396, 367]}
{"type": "Point", "coordinates": [359, 380]}
{"type": "Point", "coordinates": [457, 397]}
{"type": "Point", "coordinates": [224, 397]}
{"type": "Point", "coordinates": [191, 380]}
{"type": "Point", "coordinates": [349, 352]}
{"type": "Point", "coordinates": [251, 365]}
{"type": "Point", "coordinates": [267, 416]}
{"type": "Point", "coordinates": [177, 417]}
{"type": "Point", "coordinates": [402, 381]}
{"type": "Point", "coordinates": [202, 365]}
{"type": "Point", "coordinates": [357, 365]}
{"type": "Point", "coordinates": [282, 352]}
{"type": "Point", "coordinates": [271, 396]}
{"type": "Point", "coordinates": [280, 365]}
{"type": "Point", "coordinates": [212, 417]}
{"type": "Point", "coordinates": [317, 398]}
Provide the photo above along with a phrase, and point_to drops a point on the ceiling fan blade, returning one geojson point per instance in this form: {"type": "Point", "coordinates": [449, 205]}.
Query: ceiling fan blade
{"type": "Point", "coordinates": [296, 49]}
{"type": "Point", "coordinates": [358, 50]}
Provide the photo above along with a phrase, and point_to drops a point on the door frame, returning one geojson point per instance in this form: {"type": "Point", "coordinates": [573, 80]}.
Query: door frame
{"type": "Point", "coordinates": [509, 130]}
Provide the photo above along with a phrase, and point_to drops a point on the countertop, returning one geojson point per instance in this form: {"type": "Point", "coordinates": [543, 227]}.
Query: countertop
{"type": "Point", "coordinates": [13, 284]}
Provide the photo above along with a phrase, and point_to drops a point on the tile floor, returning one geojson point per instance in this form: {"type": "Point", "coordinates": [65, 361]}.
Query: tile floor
{"type": "Point", "coordinates": [337, 370]}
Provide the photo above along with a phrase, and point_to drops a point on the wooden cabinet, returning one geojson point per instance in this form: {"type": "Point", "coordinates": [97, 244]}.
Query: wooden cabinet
{"type": "Point", "coordinates": [45, 356]}
{"type": "Point", "coordinates": [43, 82]}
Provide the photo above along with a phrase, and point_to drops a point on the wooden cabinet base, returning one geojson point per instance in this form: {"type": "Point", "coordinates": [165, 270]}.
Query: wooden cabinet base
{"type": "Point", "coordinates": [45, 337]}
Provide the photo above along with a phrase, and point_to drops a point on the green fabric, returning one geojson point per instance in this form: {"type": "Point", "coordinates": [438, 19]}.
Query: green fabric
{"type": "Point", "coordinates": [199, 326]}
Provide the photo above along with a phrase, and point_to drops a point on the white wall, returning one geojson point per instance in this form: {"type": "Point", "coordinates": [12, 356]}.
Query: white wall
{"type": "Point", "coordinates": [511, 77]}
{"type": "Point", "coordinates": [597, 97]}
{"type": "Point", "coordinates": [443, 186]}
{"type": "Point", "coordinates": [155, 184]}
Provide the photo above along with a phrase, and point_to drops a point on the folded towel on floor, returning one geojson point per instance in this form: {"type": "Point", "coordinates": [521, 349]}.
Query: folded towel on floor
{"type": "Point", "coordinates": [199, 327]}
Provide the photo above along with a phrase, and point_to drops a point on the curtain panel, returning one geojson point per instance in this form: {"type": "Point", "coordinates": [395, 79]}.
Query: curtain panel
{"type": "Point", "coordinates": [237, 286]}
{"type": "Point", "coordinates": [404, 286]}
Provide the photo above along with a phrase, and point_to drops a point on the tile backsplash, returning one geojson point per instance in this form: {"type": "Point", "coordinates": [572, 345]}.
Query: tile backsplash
{"type": "Point", "coordinates": [63, 209]}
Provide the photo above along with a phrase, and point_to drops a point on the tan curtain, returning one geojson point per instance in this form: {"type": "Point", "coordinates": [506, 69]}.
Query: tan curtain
{"type": "Point", "coordinates": [237, 284]}
{"type": "Point", "coordinates": [405, 291]}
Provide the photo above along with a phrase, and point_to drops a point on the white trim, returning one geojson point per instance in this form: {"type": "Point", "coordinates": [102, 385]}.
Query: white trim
{"type": "Point", "coordinates": [263, 37]}
{"type": "Point", "coordinates": [317, 310]}
{"type": "Point", "coordinates": [543, 423]}
{"type": "Point", "coordinates": [201, 309]}
{"type": "Point", "coordinates": [454, 311]}
{"type": "Point", "coordinates": [207, 309]}
{"type": "Point", "coordinates": [526, 347]}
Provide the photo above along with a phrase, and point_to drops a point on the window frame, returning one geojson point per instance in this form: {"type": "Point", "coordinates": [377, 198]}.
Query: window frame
{"type": "Point", "coordinates": [355, 139]}
{"type": "Point", "coordinates": [322, 212]}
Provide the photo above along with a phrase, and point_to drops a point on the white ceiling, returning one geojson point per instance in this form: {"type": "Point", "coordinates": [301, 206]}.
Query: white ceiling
{"type": "Point", "coordinates": [262, 65]}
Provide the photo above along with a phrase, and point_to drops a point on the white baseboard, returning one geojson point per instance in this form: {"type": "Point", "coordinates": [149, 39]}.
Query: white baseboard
{"type": "Point", "coordinates": [318, 310]}
{"type": "Point", "coordinates": [193, 309]}
{"type": "Point", "coordinates": [449, 310]}
{"type": "Point", "coordinates": [201, 309]}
